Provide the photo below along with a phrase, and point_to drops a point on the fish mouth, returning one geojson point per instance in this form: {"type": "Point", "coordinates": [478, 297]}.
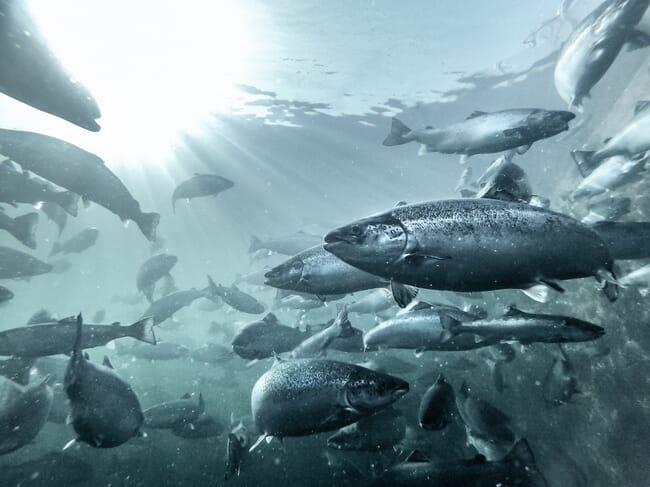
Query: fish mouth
{"type": "Point", "coordinates": [565, 116]}
{"type": "Point", "coordinates": [338, 236]}
{"type": "Point", "coordinates": [276, 278]}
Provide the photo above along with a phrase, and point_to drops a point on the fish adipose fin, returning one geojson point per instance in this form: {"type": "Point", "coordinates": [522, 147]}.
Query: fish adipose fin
{"type": "Point", "coordinates": [397, 135]}
{"type": "Point", "coordinates": [403, 294]}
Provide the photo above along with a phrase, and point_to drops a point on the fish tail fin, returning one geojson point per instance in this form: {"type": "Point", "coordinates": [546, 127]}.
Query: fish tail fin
{"type": "Point", "coordinates": [143, 330]}
{"type": "Point", "coordinates": [397, 135]}
{"type": "Point", "coordinates": [148, 223]}
{"type": "Point", "coordinates": [403, 294]}
{"type": "Point", "coordinates": [344, 326]}
{"type": "Point", "coordinates": [56, 248]}
{"type": "Point", "coordinates": [255, 244]}
{"type": "Point", "coordinates": [211, 291]}
{"type": "Point", "coordinates": [69, 201]}
{"type": "Point", "coordinates": [25, 229]}
{"type": "Point", "coordinates": [585, 161]}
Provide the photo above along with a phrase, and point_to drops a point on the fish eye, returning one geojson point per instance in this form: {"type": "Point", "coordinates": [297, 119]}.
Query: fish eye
{"type": "Point", "coordinates": [355, 229]}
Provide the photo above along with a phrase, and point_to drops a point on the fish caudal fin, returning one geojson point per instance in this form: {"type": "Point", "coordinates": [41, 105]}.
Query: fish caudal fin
{"type": "Point", "coordinates": [585, 161]}
{"type": "Point", "coordinates": [397, 135]}
{"type": "Point", "coordinates": [25, 229]}
{"type": "Point", "coordinates": [143, 330]}
{"type": "Point", "coordinates": [148, 223]}
{"type": "Point", "coordinates": [69, 201]}
{"type": "Point", "coordinates": [403, 294]}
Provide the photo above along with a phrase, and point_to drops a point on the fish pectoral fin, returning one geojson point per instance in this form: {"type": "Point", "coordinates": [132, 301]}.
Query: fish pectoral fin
{"type": "Point", "coordinates": [107, 362]}
{"type": "Point", "coordinates": [70, 443]}
{"type": "Point", "coordinates": [419, 259]}
{"type": "Point", "coordinates": [637, 39]}
{"type": "Point", "coordinates": [475, 113]}
{"type": "Point", "coordinates": [537, 292]}
{"type": "Point", "coordinates": [260, 439]}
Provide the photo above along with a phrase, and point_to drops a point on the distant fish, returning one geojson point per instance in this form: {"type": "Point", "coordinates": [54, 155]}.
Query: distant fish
{"type": "Point", "coordinates": [261, 339]}
{"type": "Point", "coordinates": [485, 132]}
{"type": "Point", "coordinates": [317, 344]}
{"type": "Point", "coordinates": [236, 298]}
{"type": "Point", "coordinates": [23, 412]}
{"type": "Point", "coordinates": [236, 449]}
{"type": "Point", "coordinates": [438, 405]}
{"type": "Point", "coordinates": [505, 180]}
{"type": "Point", "coordinates": [560, 384]}
{"type": "Point", "coordinates": [77, 244]}
{"type": "Point", "coordinates": [152, 270]}
{"type": "Point", "coordinates": [205, 426]}
{"type": "Point", "coordinates": [31, 73]}
{"type": "Point", "coordinates": [22, 228]}
{"type": "Point", "coordinates": [77, 170]}
{"type": "Point", "coordinates": [165, 307]}
{"type": "Point", "coordinates": [56, 214]}
{"type": "Point", "coordinates": [162, 351]}
{"type": "Point", "coordinates": [15, 264]}
{"type": "Point", "coordinates": [287, 245]}
{"type": "Point", "coordinates": [104, 410]}
{"type": "Point", "coordinates": [176, 413]}
{"type": "Point", "coordinates": [613, 173]}
{"type": "Point", "coordinates": [200, 185]}
{"type": "Point", "coordinates": [38, 340]}
{"type": "Point", "coordinates": [593, 46]}
{"type": "Point", "coordinates": [61, 469]}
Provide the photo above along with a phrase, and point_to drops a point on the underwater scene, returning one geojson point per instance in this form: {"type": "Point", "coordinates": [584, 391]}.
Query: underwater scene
{"type": "Point", "coordinates": [345, 243]}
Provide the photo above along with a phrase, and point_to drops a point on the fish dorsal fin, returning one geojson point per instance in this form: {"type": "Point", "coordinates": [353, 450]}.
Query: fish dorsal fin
{"type": "Point", "coordinates": [270, 319]}
{"type": "Point", "coordinates": [68, 320]}
{"type": "Point", "coordinates": [416, 456]}
{"type": "Point", "coordinates": [512, 310]}
{"type": "Point", "coordinates": [475, 113]}
{"type": "Point", "coordinates": [187, 395]}
{"type": "Point", "coordinates": [107, 362]}
{"type": "Point", "coordinates": [521, 452]}
{"type": "Point", "coordinates": [641, 106]}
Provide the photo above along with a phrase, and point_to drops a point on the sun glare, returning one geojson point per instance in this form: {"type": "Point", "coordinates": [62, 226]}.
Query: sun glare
{"type": "Point", "coordinates": [156, 68]}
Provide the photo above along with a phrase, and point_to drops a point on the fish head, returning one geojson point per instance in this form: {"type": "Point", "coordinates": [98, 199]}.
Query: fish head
{"type": "Point", "coordinates": [286, 275]}
{"type": "Point", "coordinates": [363, 242]}
{"type": "Point", "coordinates": [550, 121]}
{"type": "Point", "coordinates": [579, 330]}
{"type": "Point", "coordinates": [5, 294]}
{"type": "Point", "coordinates": [370, 391]}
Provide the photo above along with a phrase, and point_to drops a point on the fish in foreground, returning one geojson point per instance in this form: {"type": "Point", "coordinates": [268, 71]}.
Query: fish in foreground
{"type": "Point", "coordinates": [593, 46]}
{"type": "Point", "coordinates": [527, 328]}
{"type": "Point", "coordinates": [485, 132]}
{"type": "Point", "coordinates": [517, 468]}
{"type": "Point", "coordinates": [152, 270]}
{"type": "Point", "coordinates": [77, 244]}
{"type": "Point", "coordinates": [200, 185]}
{"type": "Point", "coordinates": [423, 327]}
{"type": "Point", "coordinates": [23, 412]}
{"type": "Point", "coordinates": [317, 343]}
{"type": "Point", "coordinates": [631, 141]}
{"type": "Point", "coordinates": [263, 338]}
{"type": "Point", "coordinates": [22, 228]}
{"type": "Point", "coordinates": [505, 180]}
{"type": "Point", "coordinates": [77, 170]}
{"type": "Point", "coordinates": [611, 174]}
{"type": "Point", "coordinates": [316, 271]}
{"type": "Point", "coordinates": [104, 410]}
{"type": "Point", "coordinates": [306, 396]}
{"type": "Point", "coordinates": [17, 186]}
{"type": "Point", "coordinates": [43, 339]}
{"type": "Point", "coordinates": [15, 264]}
{"type": "Point", "coordinates": [174, 414]}
{"type": "Point", "coordinates": [438, 405]}
{"type": "Point", "coordinates": [381, 431]}
{"type": "Point", "coordinates": [31, 73]}
{"type": "Point", "coordinates": [512, 246]}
